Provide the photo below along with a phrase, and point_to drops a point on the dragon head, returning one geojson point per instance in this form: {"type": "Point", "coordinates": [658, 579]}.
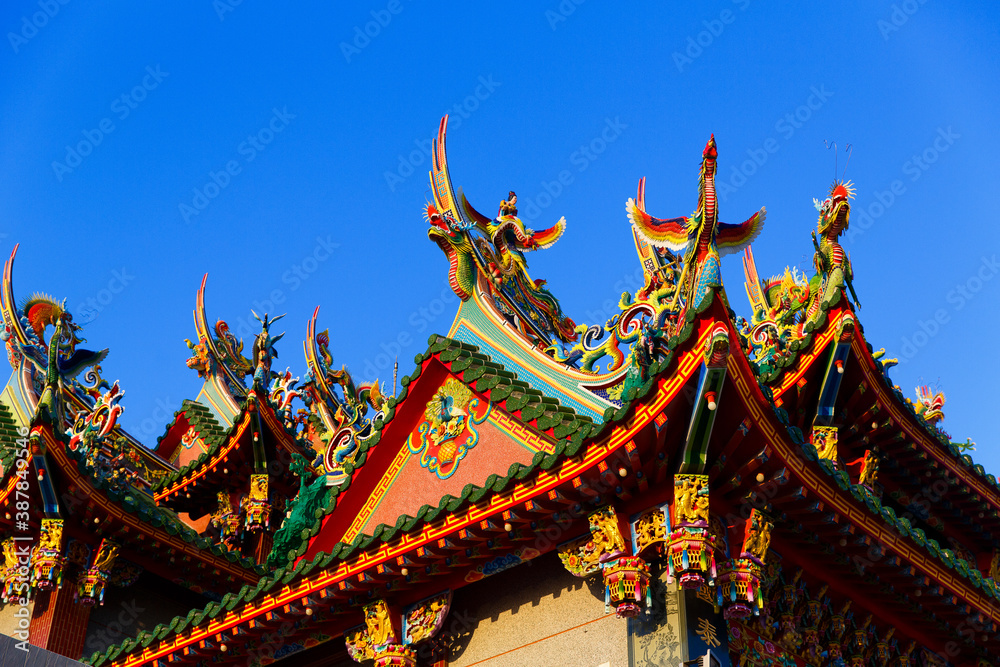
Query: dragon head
{"type": "Point", "coordinates": [457, 247]}
{"type": "Point", "coordinates": [835, 210]}
{"type": "Point", "coordinates": [929, 404]}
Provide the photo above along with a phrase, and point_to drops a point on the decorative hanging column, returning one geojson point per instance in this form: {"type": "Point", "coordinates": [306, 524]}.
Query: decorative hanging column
{"type": "Point", "coordinates": [626, 577]}
{"type": "Point", "coordinates": [691, 546]}
{"type": "Point", "coordinates": [228, 521]}
{"type": "Point", "coordinates": [257, 505]}
{"type": "Point", "coordinates": [16, 575]}
{"type": "Point", "coordinates": [90, 587]}
{"type": "Point", "coordinates": [46, 558]}
{"type": "Point", "coordinates": [604, 550]}
{"type": "Point", "coordinates": [388, 637]}
{"type": "Point", "coordinates": [739, 590]}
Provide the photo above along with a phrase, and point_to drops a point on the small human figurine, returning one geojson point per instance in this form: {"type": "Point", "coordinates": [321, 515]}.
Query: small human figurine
{"type": "Point", "coordinates": [508, 206]}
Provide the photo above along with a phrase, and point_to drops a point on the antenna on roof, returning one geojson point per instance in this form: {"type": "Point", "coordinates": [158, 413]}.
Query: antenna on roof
{"type": "Point", "coordinates": [395, 372]}
{"type": "Point", "coordinates": [828, 146]}
{"type": "Point", "coordinates": [836, 155]}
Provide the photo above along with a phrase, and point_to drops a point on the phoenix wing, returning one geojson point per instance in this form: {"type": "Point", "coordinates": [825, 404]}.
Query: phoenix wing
{"type": "Point", "coordinates": [730, 239]}
{"type": "Point", "coordinates": [671, 233]}
{"type": "Point", "coordinates": [546, 238]}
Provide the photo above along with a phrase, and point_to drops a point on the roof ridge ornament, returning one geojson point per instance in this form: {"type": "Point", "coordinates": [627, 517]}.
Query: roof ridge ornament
{"type": "Point", "coordinates": [488, 255]}
{"type": "Point", "coordinates": [700, 237]}
{"type": "Point", "coordinates": [53, 365]}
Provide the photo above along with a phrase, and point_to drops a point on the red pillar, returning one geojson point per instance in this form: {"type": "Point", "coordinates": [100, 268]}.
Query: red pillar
{"type": "Point", "coordinates": [58, 624]}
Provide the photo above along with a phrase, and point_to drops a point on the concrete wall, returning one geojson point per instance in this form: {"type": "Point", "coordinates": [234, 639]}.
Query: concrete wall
{"type": "Point", "coordinates": [9, 624]}
{"type": "Point", "coordinates": [535, 614]}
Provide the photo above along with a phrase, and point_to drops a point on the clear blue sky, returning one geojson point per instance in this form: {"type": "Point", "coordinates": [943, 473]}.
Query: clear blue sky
{"type": "Point", "coordinates": [175, 92]}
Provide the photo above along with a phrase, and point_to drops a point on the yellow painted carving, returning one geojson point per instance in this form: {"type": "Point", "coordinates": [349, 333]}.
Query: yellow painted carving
{"type": "Point", "coordinates": [51, 537]}
{"type": "Point", "coordinates": [378, 623]}
{"type": "Point", "coordinates": [105, 558]}
{"type": "Point", "coordinates": [10, 554]}
{"type": "Point", "coordinates": [691, 498]}
{"type": "Point", "coordinates": [757, 535]}
{"type": "Point", "coordinates": [604, 529]}
{"type": "Point", "coordinates": [869, 470]}
{"type": "Point", "coordinates": [824, 439]}
{"type": "Point", "coordinates": [258, 487]}
{"type": "Point", "coordinates": [650, 529]}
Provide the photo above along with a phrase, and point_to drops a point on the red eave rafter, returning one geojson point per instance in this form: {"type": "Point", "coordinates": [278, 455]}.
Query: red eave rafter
{"type": "Point", "coordinates": [209, 465]}
{"type": "Point", "coordinates": [96, 497]}
{"type": "Point", "coordinates": [840, 502]}
{"type": "Point", "coordinates": [542, 483]}
{"type": "Point", "coordinates": [907, 422]}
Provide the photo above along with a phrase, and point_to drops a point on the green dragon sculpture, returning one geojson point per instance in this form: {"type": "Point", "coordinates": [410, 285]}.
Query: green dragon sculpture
{"type": "Point", "coordinates": [830, 259]}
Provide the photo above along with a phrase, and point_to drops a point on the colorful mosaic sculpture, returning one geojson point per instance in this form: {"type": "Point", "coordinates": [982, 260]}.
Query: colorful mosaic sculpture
{"type": "Point", "coordinates": [691, 546]}
{"type": "Point", "coordinates": [59, 361]}
{"type": "Point", "coordinates": [929, 405]}
{"type": "Point", "coordinates": [701, 237]}
{"type": "Point", "coordinates": [46, 558]}
{"type": "Point", "coordinates": [228, 520]}
{"type": "Point", "coordinates": [488, 254]}
{"type": "Point", "coordinates": [448, 431]}
{"type": "Point", "coordinates": [257, 505]}
{"type": "Point", "coordinates": [739, 589]}
{"type": "Point", "coordinates": [824, 439]}
{"type": "Point", "coordinates": [626, 585]}
{"type": "Point", "coordinates": [92, 427]}
{"type": "Point", "coordinates": [338, 407]}
{"type": "Point", "coordinates": [90, 586]}
{"type": "Point", "coordinates": [830, 259]}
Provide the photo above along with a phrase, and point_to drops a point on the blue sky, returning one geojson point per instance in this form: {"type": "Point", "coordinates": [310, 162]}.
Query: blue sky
{"type": "Point", "coordinates": [281, 150]}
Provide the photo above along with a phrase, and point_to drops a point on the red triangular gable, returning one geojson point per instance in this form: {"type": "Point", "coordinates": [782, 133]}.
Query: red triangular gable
{"type": "Point", "coordinates": [444, 435]}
